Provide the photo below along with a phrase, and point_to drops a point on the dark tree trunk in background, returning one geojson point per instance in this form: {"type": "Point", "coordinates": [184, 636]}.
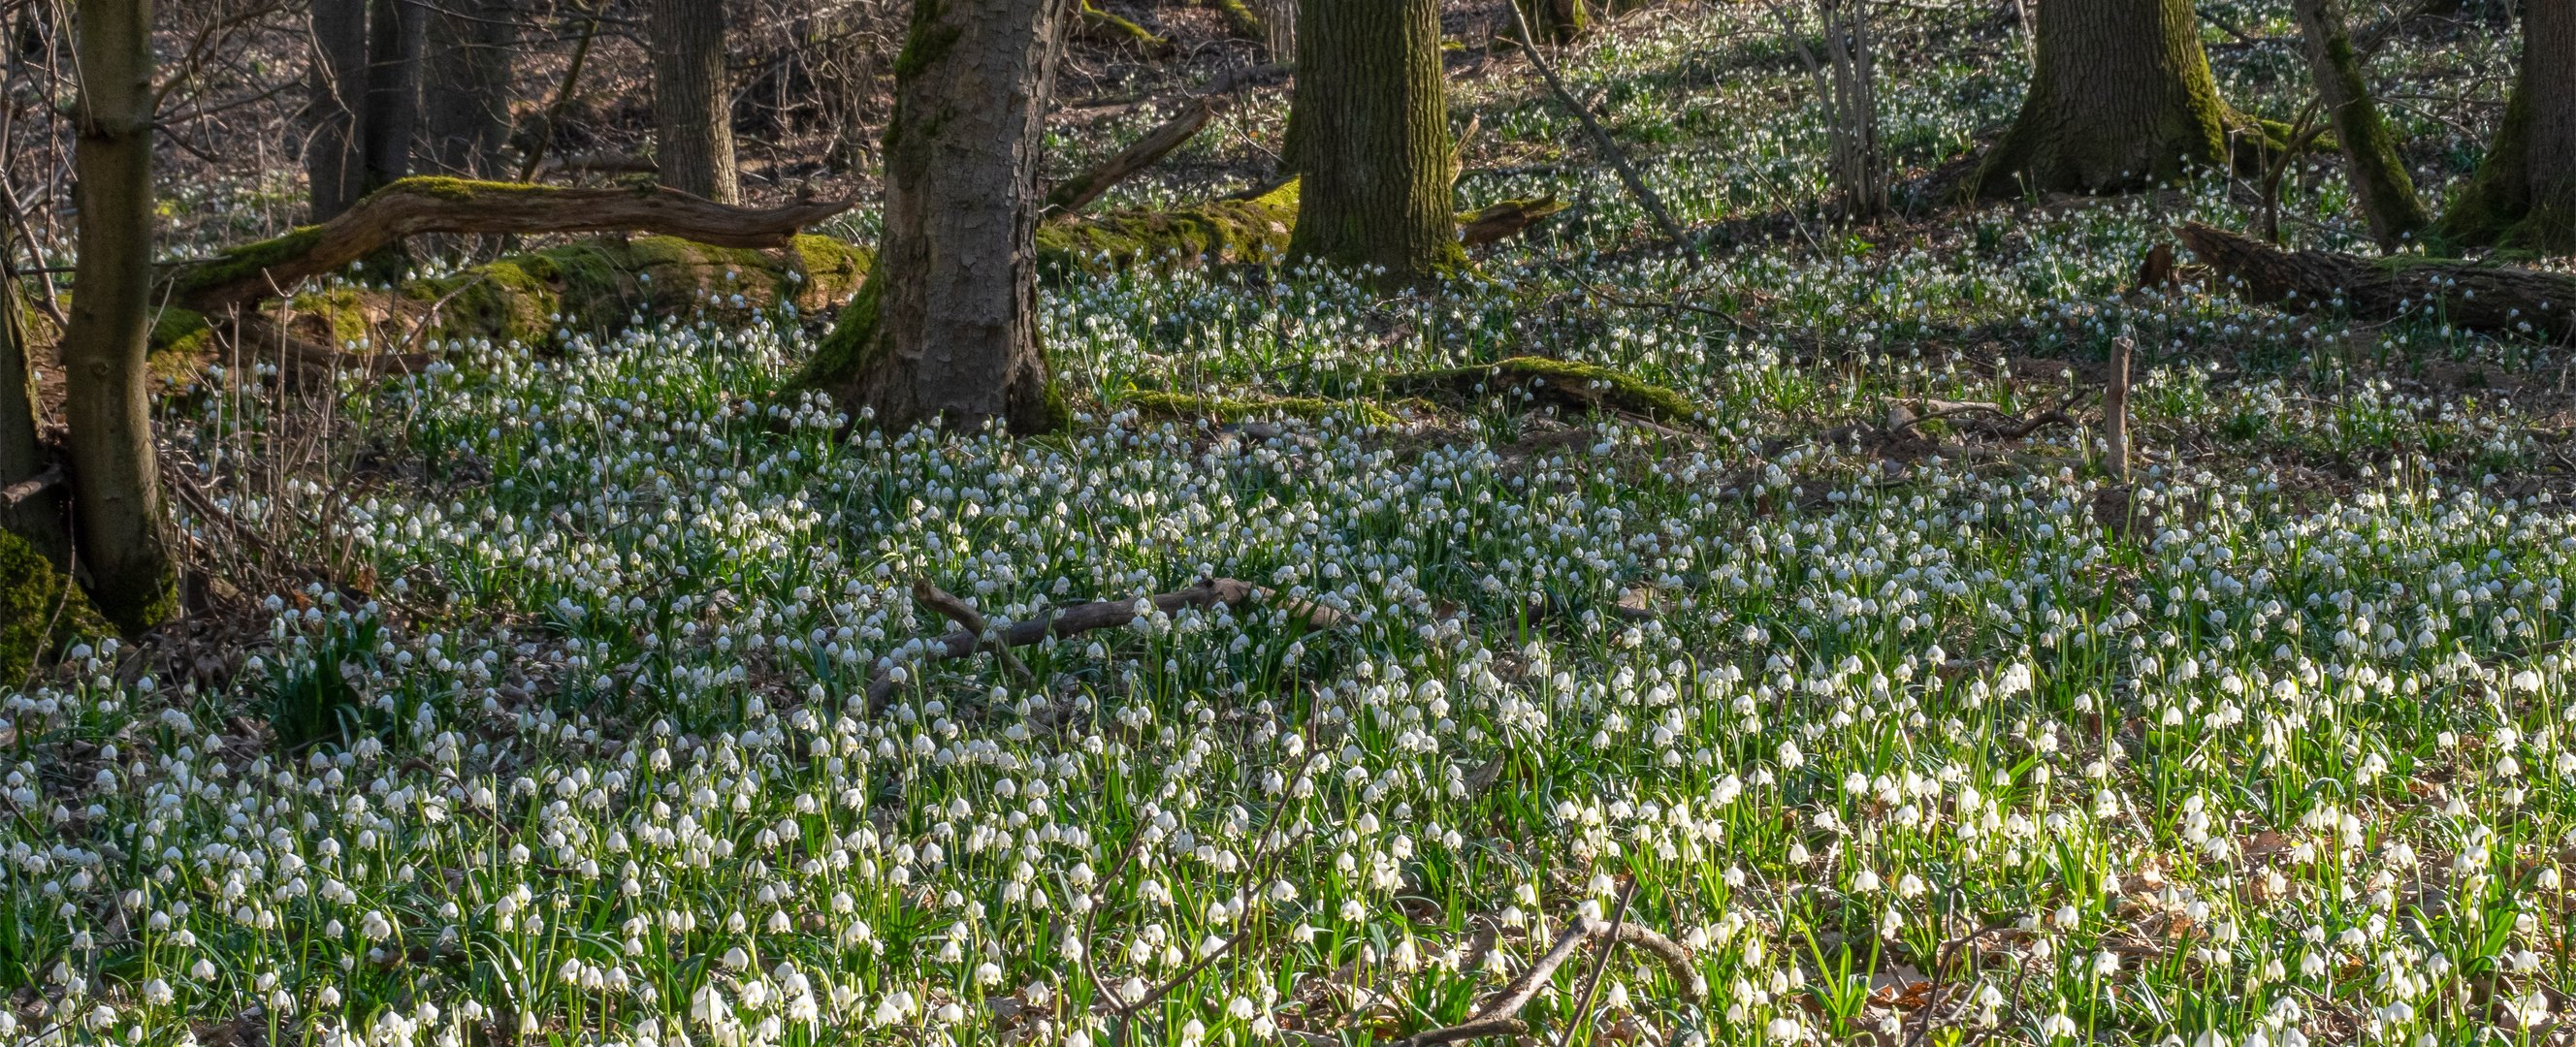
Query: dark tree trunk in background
{"type": "Point", "coordinates": [945, 328]}
{"type": "Point", "coordinates": [335, 166]}
{"type": "Point", "coordinates": [116, 485]}
{"type": "Point", "coordinates": [2524, 194]}
{"type": "Point", "coordinates": [396, 32]}
{"type": "Point", "coordinates": [1557, 21]}
{"type": "Point", "coordinates": [1373, 141]}
{"type": "Point", "coordinates": [692, 111]}
{"type": "Point", "coordinates": [2120, 98]}
{"type": "Point", "coordinates": [465, 85]}
{"type": "Point", "coordinates": [37, 518]}
{"type": "Point", "coordinates": [2379, 179]}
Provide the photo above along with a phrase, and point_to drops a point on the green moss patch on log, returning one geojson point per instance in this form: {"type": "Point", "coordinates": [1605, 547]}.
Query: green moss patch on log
{"type": "Point", "coordinates": [40, 610]}
{"type": "Point", "coordinates": [1560, 383]}
{"type": "Point", "coordinates": [1107, 28]}
{"type": "Point", "coordinates": [1228, 409]}
{"type": "Point", "coordinates": [1253, 230]}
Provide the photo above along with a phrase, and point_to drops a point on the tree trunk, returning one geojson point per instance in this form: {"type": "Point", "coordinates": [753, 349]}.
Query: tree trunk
{"type": "Point", "coordinates": [692, 110]}
{"type": "Point", "coordinates": [116, 486]}
{"type": "Point", "coordinates": [2379, 179]}
{"type": "Point", "coordinates": [335, 166]}
{"type": "Point", "coordinates": [1373, 133]}
{"type": "Point", "coordinates": [946, 327]}
{"type": "Point", "coordinates": [396, 32]}
{"type": "Point", "coordinates": [2524, 194]}
{"type": "Point", "coordinates": [37, 516]}
{"type": "Point", "coordinates": [465, 86]}
{"type": "Point", "coordinates": [2120, 98]}
{"type": "Point", "coordinates": [1557, 21]}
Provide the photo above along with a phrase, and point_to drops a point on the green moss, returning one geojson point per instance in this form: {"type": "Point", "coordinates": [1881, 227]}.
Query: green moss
{"type": "Point", "coordinates": [180, 332]}
{"type": "Point", "coordinates": [1564, 383]}
{"type": "Point", "coordinates": [40, 610]}
{"type": "Point", "coordinates": [1106, 26]}
{"type": "Point", "coordinates": [1222, 231]}
{"type": "Point", "coordinates": [1240, 21]}
{"type": "Point", "coordinates": [925, 42]}
{"type": "Point", "coordinates": [235, 264]}
{"type": "Point", "coordinates": [846, 352]}
{"type": "Point", "coordinates": [1228, 409]}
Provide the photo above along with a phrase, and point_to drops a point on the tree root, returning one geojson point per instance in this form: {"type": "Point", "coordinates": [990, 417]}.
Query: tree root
{"type": "Point", "coordinates": [1068, 622]}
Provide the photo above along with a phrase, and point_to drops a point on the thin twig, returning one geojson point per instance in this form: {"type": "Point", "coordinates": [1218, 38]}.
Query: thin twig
{"type": "Point", "coordinates": [1600, 138]}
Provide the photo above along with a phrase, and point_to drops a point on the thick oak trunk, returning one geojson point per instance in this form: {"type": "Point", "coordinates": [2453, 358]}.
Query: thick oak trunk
{"type": "Point", "coordinates": [692, 114]}
{"type": "Point", "coordinates": [946, 328]}
{"type": "Point", "coordinates": [2524, 194]}
{"type": "Point", "coordinates": [335, 166]}
{"type": "Point", "coordinates": [465, 86]}
{"type": "Point", "coordinates": [116, 485]}
{"type": "Point", "coordinates": [2482, 297]}
{"type": "Point", "coordinates": [2379, 179]}
{"type": "Point", "coordinates": [1373, 138]}
{"type": "Point", "coordinates": [2120, 98]}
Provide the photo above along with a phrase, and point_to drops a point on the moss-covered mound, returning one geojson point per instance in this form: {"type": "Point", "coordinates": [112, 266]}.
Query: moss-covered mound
{"type": "Point", "coordinates": [40, 609]}
{"type": "Point", "coordinates": [1251, 230]}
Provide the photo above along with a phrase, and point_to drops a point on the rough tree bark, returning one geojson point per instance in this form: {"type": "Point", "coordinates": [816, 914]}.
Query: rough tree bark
{"type": "Point", "coordinates": [692, 114]}
{"type": "Point", "coordinates": [465, 85]}
{"type": "Point", "coordinates": [2379, 179]}
{"type": "Point", "coordinates": [116, 485]}
{"type": "Point", "coordinates": [1373, 138]}
{"type": "Point", "coordinates": [33, 514]}
{"type": "Point", "coordinates": [335, 167]}
{"type": "Point", "coordinates": [2524, 194]}
{"type": "Point", "coordinates": [397, 30]}
{"type": "Point", "coordinates": [946, 327]}
{"type": "Point", "coordinates": [2120, 98]}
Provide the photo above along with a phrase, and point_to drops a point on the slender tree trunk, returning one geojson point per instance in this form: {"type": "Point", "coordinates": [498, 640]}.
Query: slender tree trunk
{"type": "Point", "coordinates": [692, 114]}
{"type": "Point", "coordinates": [396, 32]}
{"type": "Point", "coordinates": [945, 328]}
{"type": "Point", "coordinates": [2379, 178]}
{"type": "Point", "coordinates": [335, 166]}
{"type": "Point", "coordinates": [37, 518]}
{"type": "Point", "coordinates": [465, 85]}
{"type": "Point", "coordinates": [1373, 138]}
{"type": "Point", "coordinates": [2120, 98]}
{"type": "Point", "coordinates": [2524, 194]}
{"type": "Point", "coordinates": [116, 486]}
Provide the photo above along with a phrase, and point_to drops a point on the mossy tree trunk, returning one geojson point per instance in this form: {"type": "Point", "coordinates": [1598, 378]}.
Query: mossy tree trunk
{"type": "Point", "coordinates": [36, 518]}
{"type": "Point", "coordinates": [2524, 194]}
{"type": "Point", "coordinates": [692, 117]}
{"type": "Point", "coordinates": [2120, 98]}
{"type": "Point", "coordinates": [335, 166]}
{"type": "Point", "coordinates": [115, 483]}
{"type": "Point", "coordinates": [2378, 175]}
{"type": "Point", "coordinates": [946, 329]}
{"type": "Point", "coordinates": [465, 86]}
{"type": "Point", "coordinates": [397, 30]}
{"type": "Point", "coordinates": [1373, 138]}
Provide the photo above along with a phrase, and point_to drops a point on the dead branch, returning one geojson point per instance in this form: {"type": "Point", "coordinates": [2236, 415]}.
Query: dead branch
{"type": "Point", "coordinates": [1499, 221]}
{"type": "Point", "coordinates": [31, 486]}
{"type": "Point", "coordinates": [1077, 192]}
{"type": "Point", "coordinates": [1600, 138]}
{"type": "Point", "coordinates": [969, 619]}
{"type": "Point", "coordinates": [1499, 1016]}
{"type": "Point", "coordinates": [1078, 619]}
{"type": "Point", "coordinates": [414, 206]}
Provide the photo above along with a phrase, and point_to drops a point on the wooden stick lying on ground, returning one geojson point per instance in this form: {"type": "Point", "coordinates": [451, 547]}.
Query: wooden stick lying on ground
{"type": "Point", "coordinates": [1075, 193]}
{"type": "Point", "coordinates": [1498, 1017]}
{"type": "Point", "coordinates": [1068, 622]}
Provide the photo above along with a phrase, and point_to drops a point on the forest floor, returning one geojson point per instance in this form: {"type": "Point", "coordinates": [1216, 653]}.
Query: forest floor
{"type": "Point", "coordinates": [584, 698]}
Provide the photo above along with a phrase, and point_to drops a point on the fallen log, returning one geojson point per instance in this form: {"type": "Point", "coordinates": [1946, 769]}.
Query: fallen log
{"type": "Point", "coordinates": [1500, 1015]}
{"type": "Point", "coordinates": [1559, 383]}
{"type": "Point", "coordinates": [414, 206]}
{"type": "Point", "coordinates": [2472, 295]}
{"type": "Point", "coordinates": [1077, 192]}
{"type": "Point", "coordinates": [1507, 219]}
{"type": "Point", "coordinates": [1068, 622]}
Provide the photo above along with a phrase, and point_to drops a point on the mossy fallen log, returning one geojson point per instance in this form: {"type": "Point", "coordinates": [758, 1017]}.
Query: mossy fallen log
{"type": "Point", "coordinates": [418, 205]}
{"type": "Point", "coordinates": [1163, 404]}
{"type": "Point", "coordinates": [1102, 27]}
{"type": "Point", "coordinates": [1559, 383]}
{"type": "Point", "coordinates": [2478, 296]}
{"type": "Point", "coordinates": [1254, 230]}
